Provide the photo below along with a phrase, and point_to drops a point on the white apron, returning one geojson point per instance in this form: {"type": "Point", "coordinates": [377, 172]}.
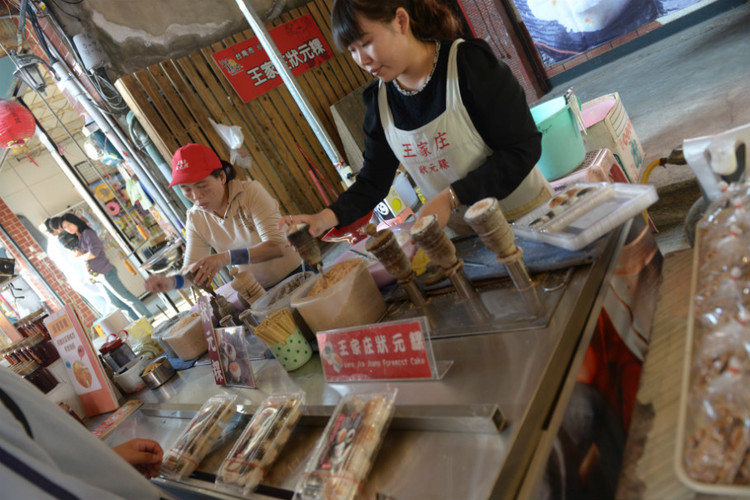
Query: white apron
{"type": "Point", "coordinates": [449, 147]}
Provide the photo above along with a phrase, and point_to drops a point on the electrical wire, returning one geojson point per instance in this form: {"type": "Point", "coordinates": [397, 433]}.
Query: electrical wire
{"type": "Point", "coordinates": [107, 91]}
{"type": "Point", "coordinates": [22, 8]}
{"type": "Point", "coordinates": [58, 7]}
{"type": "Point", "coordinates": [99, 81]}
{"type": "Point", "coordinates": [25, 11]}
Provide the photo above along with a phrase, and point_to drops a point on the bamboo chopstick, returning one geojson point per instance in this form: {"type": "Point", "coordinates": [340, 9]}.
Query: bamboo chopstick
{"type": "Point", "coordinates": [277, 327]}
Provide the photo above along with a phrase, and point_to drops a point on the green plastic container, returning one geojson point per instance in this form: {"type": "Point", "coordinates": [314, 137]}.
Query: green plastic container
{"type": "Point", "coordinates": [562, 145]}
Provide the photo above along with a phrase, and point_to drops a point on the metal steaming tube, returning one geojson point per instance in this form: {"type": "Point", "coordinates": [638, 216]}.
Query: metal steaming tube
{"type": "Point", "coordinates": [291, 84]}
{"type": "Point", "coordinates": [487, 219]}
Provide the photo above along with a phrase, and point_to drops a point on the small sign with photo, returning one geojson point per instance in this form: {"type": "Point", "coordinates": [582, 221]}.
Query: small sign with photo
{"type": "Point", "coordinates": [234, 356]}
{"type": "Point", "coordinates": [227, 349]}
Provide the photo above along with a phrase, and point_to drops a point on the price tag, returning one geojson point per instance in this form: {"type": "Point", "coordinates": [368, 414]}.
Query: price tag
{"type": "Point", "coordinates": [381, 351]}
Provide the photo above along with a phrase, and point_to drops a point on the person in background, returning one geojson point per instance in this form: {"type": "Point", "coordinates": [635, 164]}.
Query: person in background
{"type": "Point", "coordinates": [237, 219]}
{"type": "Point", "coordinates": [446, 109]}
{"type": "Point", "coordinates": [59, 248]}
{"type": "Point", "coordinates": [46, 453]}
{"type": "Point", "coordinates": [91, 251]}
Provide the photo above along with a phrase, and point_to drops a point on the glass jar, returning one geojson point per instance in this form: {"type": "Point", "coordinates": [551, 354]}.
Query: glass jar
{"type": "Point", "coordinates": [227, 321]}
{"type": "Point", "coordinates": [10, 354]}
{"type": "Point", "coordinates": [117, 353]}
{"type": "Point", "coordinates": [21, 350]}
{"type": "Point", "coordinates": [42, 350]}
{"type": "Point", "coordinates": [37, 375]}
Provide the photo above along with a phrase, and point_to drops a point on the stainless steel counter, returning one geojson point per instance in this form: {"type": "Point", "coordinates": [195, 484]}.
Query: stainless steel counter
{"type": "Point", "coordinates": [482, 431]}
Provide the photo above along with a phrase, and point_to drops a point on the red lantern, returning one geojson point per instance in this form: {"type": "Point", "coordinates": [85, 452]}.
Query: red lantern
{"type": "Point", "coordinates": [17, 124]}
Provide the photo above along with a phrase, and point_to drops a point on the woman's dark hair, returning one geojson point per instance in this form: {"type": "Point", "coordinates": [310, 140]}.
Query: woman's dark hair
{"type": "Point", "coordinates": [228, 170]}
{"type": "Point", "coordinates": [74, 219]}
{"type": "Point", "coordinates": [430, 19]}
{"type": "Point", "coordinates": [52, 224]}
{"type": "Point", "coordinates": [68, 241]}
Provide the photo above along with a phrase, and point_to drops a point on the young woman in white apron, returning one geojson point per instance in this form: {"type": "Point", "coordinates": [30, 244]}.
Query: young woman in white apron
{"type": "Point", "coordinates": [444, 108]}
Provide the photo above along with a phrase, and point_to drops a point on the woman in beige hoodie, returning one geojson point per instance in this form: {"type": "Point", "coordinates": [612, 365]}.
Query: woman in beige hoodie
{"type": "Point", "coordinates": [237, 219]}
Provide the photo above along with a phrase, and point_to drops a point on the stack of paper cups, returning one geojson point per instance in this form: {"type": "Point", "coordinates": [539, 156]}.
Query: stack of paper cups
{"type": "Point", "coordinates": [113, 323]}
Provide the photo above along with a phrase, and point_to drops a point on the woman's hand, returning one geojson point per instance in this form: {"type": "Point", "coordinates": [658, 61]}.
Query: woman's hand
{"type": "Point", "coordinates": [439, 205]}
{"type": "Point", "coordinates": [143, 454]}
{"type": "Point", "coordinates": [319, 223]}
{"type": "Point", "coordinates": [159, 283]}
{"type": "Point", "coordinates": [205, 269]}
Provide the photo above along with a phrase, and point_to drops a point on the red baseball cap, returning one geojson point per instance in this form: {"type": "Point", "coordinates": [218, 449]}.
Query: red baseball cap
{"type": "Point", "coordinates": [193, 163]}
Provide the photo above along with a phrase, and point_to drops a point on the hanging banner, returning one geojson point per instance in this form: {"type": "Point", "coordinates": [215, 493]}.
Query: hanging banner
{"type": "Point", "coordinates": [250, 71]}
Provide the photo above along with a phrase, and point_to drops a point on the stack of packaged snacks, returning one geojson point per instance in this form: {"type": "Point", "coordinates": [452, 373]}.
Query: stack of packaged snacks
{"type": "Point", "coordinates": [346, 450]}
{"type": "Point", "coordinates": [716, 441]}
{"type": "Point", "coordinates": [259, 444]}
{"type": "Point", "coordinates": [200, 435]}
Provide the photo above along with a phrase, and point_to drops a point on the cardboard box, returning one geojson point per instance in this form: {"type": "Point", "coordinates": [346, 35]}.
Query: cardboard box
{"type": "Point", "coordinates": [608, 126]}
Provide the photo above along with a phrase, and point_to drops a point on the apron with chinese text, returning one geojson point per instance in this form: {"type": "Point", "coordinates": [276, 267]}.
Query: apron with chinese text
{"type": "Point", "coordinates": [449, 147]}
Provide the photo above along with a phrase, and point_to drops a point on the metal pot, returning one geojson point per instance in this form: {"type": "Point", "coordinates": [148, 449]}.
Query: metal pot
{"type": "Point", "coordinates": [168, 257]}
{"type": "Point", "coordinates": [129, 377]}
{"type": "Point", "coordinates": [157, 373]}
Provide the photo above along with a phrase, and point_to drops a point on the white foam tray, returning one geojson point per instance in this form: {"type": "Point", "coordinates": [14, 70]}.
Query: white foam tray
{"type": "Point", "coordinates": [593, 216]}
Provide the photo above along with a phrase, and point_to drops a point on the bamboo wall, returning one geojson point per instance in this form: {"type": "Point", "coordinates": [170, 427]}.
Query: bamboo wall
{"type": "Point", "coordinates": [174, 100]}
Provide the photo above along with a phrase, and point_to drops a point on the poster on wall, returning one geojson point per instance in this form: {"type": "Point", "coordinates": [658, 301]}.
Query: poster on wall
{"type": "Point", "coordinates": [250, 71]}
{"type": "Point", "coordinates": [562, 29]}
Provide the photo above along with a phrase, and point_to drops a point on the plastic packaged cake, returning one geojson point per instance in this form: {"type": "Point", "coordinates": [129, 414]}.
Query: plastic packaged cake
{"type": "Point", "coordinates": [567, 206]}
{"type": "Point", "coordinates": [583, 212]}
{"type": "Point", "coordinates": [200, 435]}
{"type": "Point", "coordinates": [345, 452]}
{"type": "Point", "coordinates": [713, 433]}
{"type": "Point", "coordinates": [259, 444]}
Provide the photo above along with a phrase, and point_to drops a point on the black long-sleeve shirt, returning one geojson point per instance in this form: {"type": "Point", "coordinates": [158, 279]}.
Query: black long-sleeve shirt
{"type": "Point", "coordinates": [496, 103]}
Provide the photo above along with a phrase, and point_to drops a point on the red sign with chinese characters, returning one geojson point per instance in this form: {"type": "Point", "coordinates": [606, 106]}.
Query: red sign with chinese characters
{"type": "Point", "coordinates": [395, 350]}
{"type": "Point", "coordinates": [250, 71]}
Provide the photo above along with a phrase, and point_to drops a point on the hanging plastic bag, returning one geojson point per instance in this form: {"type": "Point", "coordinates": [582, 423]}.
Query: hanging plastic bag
{"type": "Point", "coordinates": [233, 137]}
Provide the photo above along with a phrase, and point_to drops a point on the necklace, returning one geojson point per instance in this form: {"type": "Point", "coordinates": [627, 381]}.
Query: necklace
{"type": "Point", "coordinates": [405, 92]}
